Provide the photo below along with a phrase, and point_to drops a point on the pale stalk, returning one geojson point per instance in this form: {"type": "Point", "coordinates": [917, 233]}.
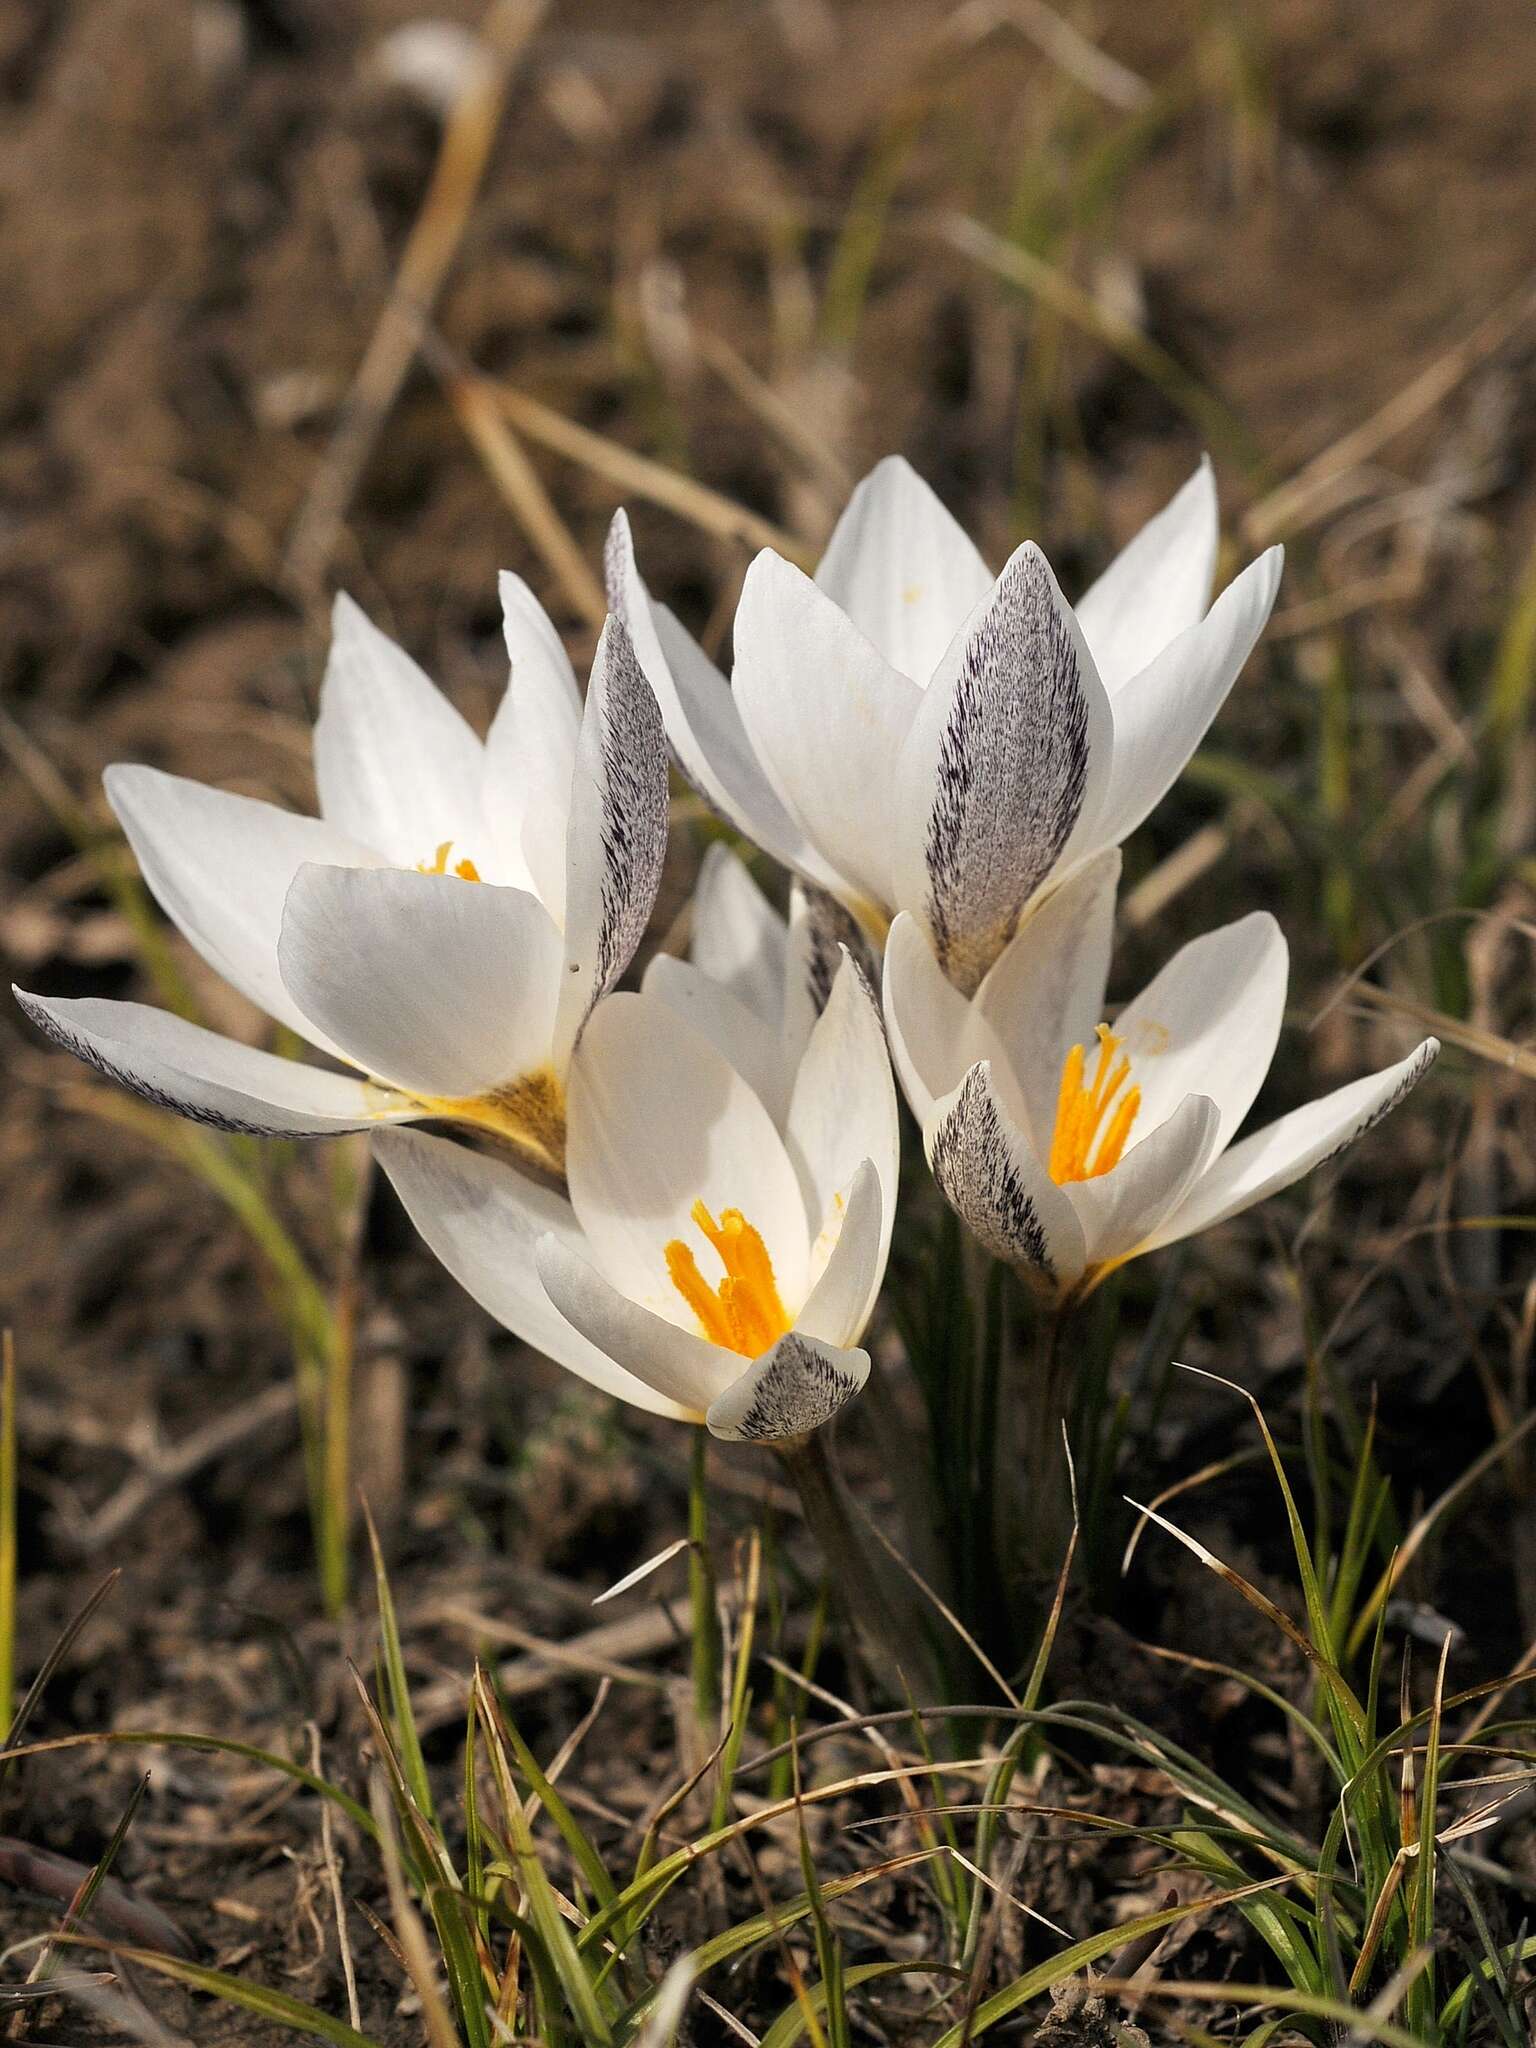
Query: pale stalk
{"type": "Point", "coordinates": [701, 1595]}
{"type": "Point", "coordinates": [881, 1606]}
{"type": "Point", "coordinates": [1035, 1511]}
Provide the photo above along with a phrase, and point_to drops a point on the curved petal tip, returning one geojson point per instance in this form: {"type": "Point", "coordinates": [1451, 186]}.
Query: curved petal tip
{"type": "Point", "coordinates": [791, 1390]}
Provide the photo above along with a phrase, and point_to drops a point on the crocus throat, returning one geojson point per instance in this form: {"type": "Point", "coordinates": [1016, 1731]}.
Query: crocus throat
{"type": "Point", "coordinates": [744, 1313]}
{"type": "Point", "coordinates": [1093, 1116]}
{"type": "Point", "coordinates": [526, 1115]}
{"type": "Point", "coordinates": [438, 865]}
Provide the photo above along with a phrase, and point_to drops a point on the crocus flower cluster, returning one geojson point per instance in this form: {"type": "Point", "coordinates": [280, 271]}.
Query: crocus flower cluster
{"type": "Point", "coordinates": [686, 1194]}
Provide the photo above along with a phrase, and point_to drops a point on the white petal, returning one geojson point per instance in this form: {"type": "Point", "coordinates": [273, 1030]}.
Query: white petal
{"type": "Point", "coordinates": [617, 840]}
{"type": "Point", "coordinates": [1163, 713]}
{"type": "Point", "coordinates": [843, 1113]}
{"type": "Point", "coordinates": [395, 764]}
{"type": "Point", "coordinates": [445, 988]}
{"type": "Point", "coordinates": [212, 1079]}
{"type": "Point", "coordinates": [1209, 1023]}
{"type": "Point", "coordinates": [1045, 992]}
{"type": "Point", "coordinates": [746, 1040]}
{"type": "Point", "coordinates": [657, 1120]}
{"type": "Point", "coordinates": [1122, 1208]}
{"type": "Point", "coordinates": [988, 1172]}
{"type": "Point", "coordinates": [220, 867]}
{"type": "Point", "coordinates": [926, 1017]}
{"type": "Point", "coordinates": [530, 752]}
{"type": "Point", "coordinates": [827, 716]}
{"type": "Point", "coordinates": [821, 932]}
{"type": "Point", "coordinates": [903, 568]}
{"type": "Point", "coordinates": [1293, 1145]}
{"type": "Point", "coordinates": [1157, 587]}
{"type": "Point", "coordinates": [839, 1306]}
{"type": "Point", "coordinates": [484, 1222]}
{"type": "Point", "coordinates": [534, 645]}
{"type": "Point", "coordinates": [672, 1362]}
{"type": "Point", "coordinates": [1006, 754]}
{"type": "Point", "coordinates": [700, 714]}
{"type": "Point", "coordinates": [791, 1390]}
{"type": "Point", "coordinates": [738, 936]}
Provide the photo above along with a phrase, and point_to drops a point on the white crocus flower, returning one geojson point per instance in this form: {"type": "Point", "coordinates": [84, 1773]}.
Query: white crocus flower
{"type": "Point", "coordinates": [442, 929]}
{"type": "Point", "coordinates": [755, 982]}
{"type": "Point", "coordinates": [1069, 1146]}
{"type": "Point", "coordinates": [713, 1262]}
{"type": "Point", "coordinates": [911, 734]}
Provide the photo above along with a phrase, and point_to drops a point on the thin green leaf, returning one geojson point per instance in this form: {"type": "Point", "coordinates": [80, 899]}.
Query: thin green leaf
{"type": "Point", "coordinates": [791, 2023]}
{"type": "Point", "coordinates": [292, 2014]}
{"type": "Point", "coordinates": [565, 1959]}
{"type": "Point", "coordinates": [402, 1716]}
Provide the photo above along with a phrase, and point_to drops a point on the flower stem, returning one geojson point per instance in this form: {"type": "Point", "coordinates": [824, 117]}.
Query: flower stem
{"type": "Point", "coordinates": [1037, 1519]}
{"type": "Point", "coordinates": [880, 1604]}
{"type": "Point", "coordinates": [701, 1594]}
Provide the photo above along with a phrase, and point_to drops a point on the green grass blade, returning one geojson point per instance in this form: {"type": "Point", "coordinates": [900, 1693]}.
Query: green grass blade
{"type": "Point", "coordinates": [401, 1715]}
{"type": "Point", "coordinates": [791, 2023]}
{"type": "Point", "coordinates": [1420, 2003]}
{"type": "Point", "coordinates": [11, 1747]}
{"type": "Point", "coordinates": [80, 1904]}
{"type": "Point", "coordinates": [292, 2014]}
{"type": "Point", "coordinates": [569, 1966]}
{"type": "Point", "coordinates": [214, 1745]}
{"type": "Point", "coordinates": [574, 1836]}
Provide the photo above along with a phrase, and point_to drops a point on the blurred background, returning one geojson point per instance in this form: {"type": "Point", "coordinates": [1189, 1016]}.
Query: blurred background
{"type": "Point", "coordinates": [307, 294]}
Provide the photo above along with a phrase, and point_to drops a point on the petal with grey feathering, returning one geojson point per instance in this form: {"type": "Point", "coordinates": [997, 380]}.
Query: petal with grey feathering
{"type": "Point", "coordinates": [530, 752]}
{"type": "Point", "coordinates": [673, 1362]}
{"type": "Point", "coordinates": [395, 764]}
{"type": "Point", "coordinates": [843, 1112]}
{"type": "Point", "coordinates": [484, 1222]}
{"type": "Point", "coordinates": [927, 1020]}
{"type": "Point", "coordinates": [1208, 1024]}
{"type": "Point", "coordinates": [1118, 1210]}
{"type": "Point", "coordinates": [209, 1078]}
{"type": "Point", "coordinates": [1163, 713]}
{"type": "Point", "coordinates": [220, 867]}
{"type": "Point", "coordinates": [1007, 752]}
{"type": "Point", "coordinates": [988, 1172]}
{"type": "Point", "coordinates": [827, 716]}
{"type": "Point", "coordinates": [738, 937]}
{"type": "Point", "coordinates": [791, 1390]}
{"type": "Point", "coordinates": [1293, 1145]}
{"type": "Point", "coordinates": [903, 568]}
{"type": "Point", "coordinates": [858, 1228]}
{"type": "Point", "coordinates": [616, 841]}
{"type": "Point", "coordinates": [1157, 587]}
{"type": "Point", "coordinates": [1045, 992]}
{"type": "Point", "coordinates": [656, 1120]}
{"type": "Point", "coordinates": [821, 930]}
{"type": "Point", "coordinates": [445, 988]}
{"type": "Point", "coordinates": [700, 714]}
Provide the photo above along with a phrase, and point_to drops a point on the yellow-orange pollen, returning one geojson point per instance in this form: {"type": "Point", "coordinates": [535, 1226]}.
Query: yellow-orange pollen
{"type": "Point", "coordinates": [744, 1313]}
{"type": "Point", "coordinates": [438, 865]}
{"type": "Point", "coordinates": [1093, 1117]}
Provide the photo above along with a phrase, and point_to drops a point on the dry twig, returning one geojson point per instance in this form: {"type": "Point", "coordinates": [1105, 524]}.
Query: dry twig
{"type": "Point", "coordinates": [428, 256]}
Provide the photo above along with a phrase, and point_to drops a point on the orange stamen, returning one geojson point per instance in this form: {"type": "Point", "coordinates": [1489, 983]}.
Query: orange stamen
{"type": "Point", "coordinates": [438, 865]}
{"type": "Point", "coordinates": [744, 1312]}
{"type": "Point", "coordinates": [1083, 1145]}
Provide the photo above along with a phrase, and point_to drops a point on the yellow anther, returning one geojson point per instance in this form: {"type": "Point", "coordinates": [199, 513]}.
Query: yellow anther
{"type": "Point", "coordinates": [1093, 1119]}
{"type": "Point", "coordinates": [743, 1313]}
{"type": "Point", "coordinates": [438, 865]}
